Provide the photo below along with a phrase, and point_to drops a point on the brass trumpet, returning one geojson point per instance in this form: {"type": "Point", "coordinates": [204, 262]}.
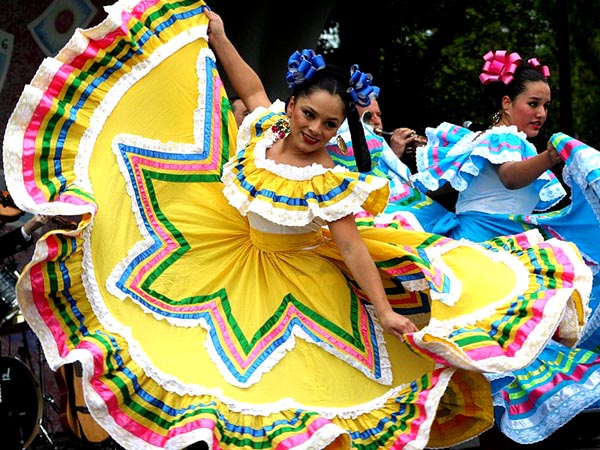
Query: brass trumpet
{"type": "Point", "coordinates": [411, 146]}
{"type": "Point", "coordinates": [418, 141]}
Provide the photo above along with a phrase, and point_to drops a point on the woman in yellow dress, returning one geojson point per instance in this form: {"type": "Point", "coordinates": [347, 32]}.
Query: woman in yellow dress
{"type": "Point", "coordinates": [237, 301]}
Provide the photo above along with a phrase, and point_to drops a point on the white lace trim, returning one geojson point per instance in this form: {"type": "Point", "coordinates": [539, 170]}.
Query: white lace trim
{"type": "Point", "coordinates": [244, 132]}
{"type": "Point", "coordinates": [350, 205]}
{"type": "Point", "coordinates": [285, 170]}
{"type": "Point", "coordinates": [553, 413]}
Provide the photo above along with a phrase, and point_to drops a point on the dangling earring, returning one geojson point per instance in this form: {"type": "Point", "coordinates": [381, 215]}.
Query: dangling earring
{"type": "Point", "coordinates": [281, 128]}
{"type": "Point", "coordinates": [341, 144]}
{"type": "Point", "coordinates": [496, 117]}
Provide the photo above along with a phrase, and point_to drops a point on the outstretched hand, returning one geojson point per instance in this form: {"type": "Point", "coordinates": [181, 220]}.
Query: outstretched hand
{"type": "Point", "coordinates": [396, 324]}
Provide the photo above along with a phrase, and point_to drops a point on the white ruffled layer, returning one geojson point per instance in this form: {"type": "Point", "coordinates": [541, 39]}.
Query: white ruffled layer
{"type": "Point", "coordinates": [240, 200]}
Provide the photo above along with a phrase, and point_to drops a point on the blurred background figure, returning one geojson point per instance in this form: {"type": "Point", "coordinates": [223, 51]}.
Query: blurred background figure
{"type": "Point", "coordinates": [401, 139]}
{"type": "Point", "coordinates": [239, 109]}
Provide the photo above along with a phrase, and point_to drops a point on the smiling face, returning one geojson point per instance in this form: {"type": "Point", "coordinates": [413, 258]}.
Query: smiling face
{"type": "Point", "coordinates": [528, 110]}
{"type": "Point", "coordinates": [314, 119]}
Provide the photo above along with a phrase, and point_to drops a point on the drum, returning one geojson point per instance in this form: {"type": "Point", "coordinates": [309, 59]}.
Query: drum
{"type": "Point", "coordinates": [20, 404]}
{"type": "Point", "coordinates": [8, 294]}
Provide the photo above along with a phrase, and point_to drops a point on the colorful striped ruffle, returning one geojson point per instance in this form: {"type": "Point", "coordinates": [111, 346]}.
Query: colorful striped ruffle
{"type": "Point", "coordinates": [289, 195]}
{"type": "Point", "coordinates": [561, 383]}
{"type": "Point", "coordinates": [582, 166]}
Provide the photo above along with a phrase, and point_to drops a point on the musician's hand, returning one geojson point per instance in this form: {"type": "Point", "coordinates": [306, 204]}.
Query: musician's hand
{"type": "Point", "coordinates": [37, 221]}
{"type": "Point", "coordinates": [400, 139]}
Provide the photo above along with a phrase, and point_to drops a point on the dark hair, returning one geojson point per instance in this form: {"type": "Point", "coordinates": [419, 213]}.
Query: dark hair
{"type": "Point", "coordinates": [336, 82]}
{"type": "Point", "coordinates": [524, 74]}
{"type": "Point", "coordinates": [330, 79]}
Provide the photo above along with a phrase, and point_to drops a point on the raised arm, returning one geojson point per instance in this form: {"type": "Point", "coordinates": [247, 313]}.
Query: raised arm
{"type": "Point", "coordinates": [359, 261]}
{"type": "Point", "coordinates": [518, 174]}
{"type": "Point", "coordinates": [244, 80]}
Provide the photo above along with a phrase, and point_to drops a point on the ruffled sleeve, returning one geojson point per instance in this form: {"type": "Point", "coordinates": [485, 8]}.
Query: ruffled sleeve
{"type": "Point", "coordinates": [289, 195]}
{"type": "Point", "coordinates": [456, 155]}
{"type": "Point", "coordinates": [258, 122]}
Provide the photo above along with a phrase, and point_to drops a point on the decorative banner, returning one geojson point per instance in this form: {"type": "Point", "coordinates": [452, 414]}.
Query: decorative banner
{"type": "Point", "coordinates": [6, 46]}
{"type": "Point", "coordinates": [53, 28]}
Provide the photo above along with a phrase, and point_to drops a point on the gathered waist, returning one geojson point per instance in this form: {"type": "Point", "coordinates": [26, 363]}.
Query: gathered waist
{"type": "Point", "coordinates": [286, 242]}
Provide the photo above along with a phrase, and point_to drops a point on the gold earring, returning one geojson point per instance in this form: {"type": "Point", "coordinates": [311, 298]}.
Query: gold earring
{"type": "Point", "coordinates": [341, 144]}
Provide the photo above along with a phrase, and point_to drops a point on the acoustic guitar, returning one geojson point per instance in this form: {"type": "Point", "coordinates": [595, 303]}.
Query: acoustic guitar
{"type": "Point", "coordinates": [74, 415]}
{"type": "Point", "coordinates": [8, 210]}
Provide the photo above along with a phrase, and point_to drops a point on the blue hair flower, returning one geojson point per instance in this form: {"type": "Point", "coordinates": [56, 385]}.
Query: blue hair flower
{"type": "Point", "coordinates": [361, 91]}
{"type": "Point", "coordinates": [302, 66]}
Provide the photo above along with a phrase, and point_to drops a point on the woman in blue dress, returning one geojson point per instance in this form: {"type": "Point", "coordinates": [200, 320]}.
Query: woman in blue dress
{"type": "Point", "coordinates": [506, 186]}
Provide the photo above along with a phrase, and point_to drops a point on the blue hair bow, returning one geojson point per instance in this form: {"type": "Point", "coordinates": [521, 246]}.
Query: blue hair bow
{"type": "Point", "coordinates": [302, 66]}
{"type": "Point", "coordinates": [361, 91]}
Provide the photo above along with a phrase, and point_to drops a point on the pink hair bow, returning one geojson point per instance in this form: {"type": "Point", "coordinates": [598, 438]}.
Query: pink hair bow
{"type": "Point", "coordinates": [535, 63]}
{"type": "Point", "coordinates": [499, 66]}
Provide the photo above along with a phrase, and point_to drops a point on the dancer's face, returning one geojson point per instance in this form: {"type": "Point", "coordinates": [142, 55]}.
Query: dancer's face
{"type": "Point", "coordinates": [528, 110]}
{"type": "Point", "coordinates": [314, 119]}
